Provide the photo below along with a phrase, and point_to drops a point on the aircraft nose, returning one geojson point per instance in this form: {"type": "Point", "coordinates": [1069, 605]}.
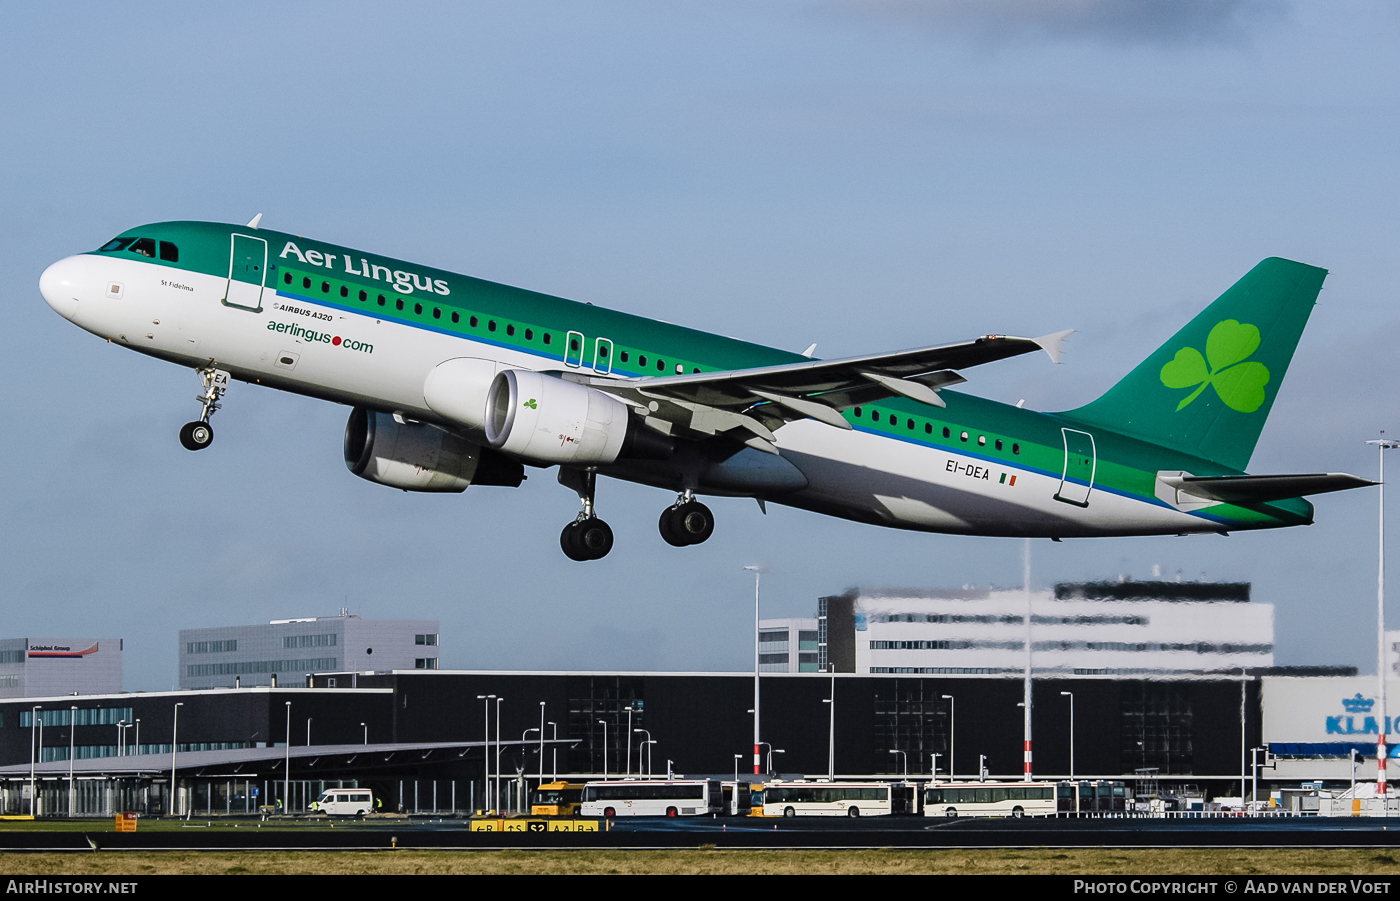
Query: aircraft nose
{"type": "Point", "coordinates": [60, 285]}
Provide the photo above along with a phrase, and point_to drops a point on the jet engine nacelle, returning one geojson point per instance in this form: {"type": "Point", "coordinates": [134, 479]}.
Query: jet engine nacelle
{"type": "Point", "coordinates": [419, 457]}
{"type": "Point", "coordinates": [547, 420]}
{"type": "Point", "coordinates": [456, 390]}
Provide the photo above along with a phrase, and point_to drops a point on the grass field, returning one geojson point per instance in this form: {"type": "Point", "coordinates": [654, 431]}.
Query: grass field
{"type": "Point", "coordinates": [1098, 862]}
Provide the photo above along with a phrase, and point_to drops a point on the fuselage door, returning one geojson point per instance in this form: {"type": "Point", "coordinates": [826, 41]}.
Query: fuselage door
{"type": "Point", "coordinates": [602, 356]}
{"type": "Point", "coordinates": [573, 349]}
{"type": "Point", "coordinates": [1080, 461]}
{"type": "Point", "coordinates": [247, 272]}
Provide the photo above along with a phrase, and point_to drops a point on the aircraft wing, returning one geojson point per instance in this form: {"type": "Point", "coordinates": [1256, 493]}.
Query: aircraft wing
{"type": "Point", "coordinates": [1263, 488]}
{"type": "Point", "coordinates": [762, 399]}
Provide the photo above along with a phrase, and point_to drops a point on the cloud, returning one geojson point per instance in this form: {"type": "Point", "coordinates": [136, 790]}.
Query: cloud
{"type": "Point", "coordinates": [1109, 21]}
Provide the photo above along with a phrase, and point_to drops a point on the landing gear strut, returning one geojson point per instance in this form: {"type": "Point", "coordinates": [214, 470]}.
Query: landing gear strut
{"type": "Point", "coordinates": [686, 522]}
{"type": "Point", "coordinates": [587, 537]}
{"type": "Point", "coordinates": [199, 434]}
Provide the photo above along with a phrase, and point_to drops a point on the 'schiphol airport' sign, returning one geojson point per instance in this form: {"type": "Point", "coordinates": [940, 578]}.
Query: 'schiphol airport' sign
{"type": "Point", "coordinates": [1326, 709]}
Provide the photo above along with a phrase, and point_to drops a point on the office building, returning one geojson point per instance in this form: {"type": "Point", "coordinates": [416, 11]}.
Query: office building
{"type": "Point", "coordinates": [225, 656]}
{"type": "Point", "coordinates": [46, 667]}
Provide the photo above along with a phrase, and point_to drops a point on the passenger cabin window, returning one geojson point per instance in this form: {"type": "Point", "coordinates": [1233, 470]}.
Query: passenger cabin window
{"type": "Point", "coordinates": [456, 317]}
{"type": "Point", "coordinates": [998, 444]}
{"type": "Point", "coordinates": [548, 338]}
{"type": "Point", "coordinates": [116, 244]}
{"type": "Point", "coordinates": [1015, 448]}
{"type": "Point", "coordinates": [144, 246]}
{"type": "Point", "coordinates": [169, 252]}
{"type": "Point", "coordinates": [286, 278]}
{"type": "Point", "coordinates": [418, 309]}
{"type": "Point", "coordinates": [947, 432]}
{"type": "Point", "coordinates": [529, 334]}
{"type": "Point", "coordinates": [510, 330]}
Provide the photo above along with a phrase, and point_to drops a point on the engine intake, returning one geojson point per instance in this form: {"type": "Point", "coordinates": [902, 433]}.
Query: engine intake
{"type": "Point", "coordinates": [547, 420]}
{"type": "Point", "coordinates": [420, 457]}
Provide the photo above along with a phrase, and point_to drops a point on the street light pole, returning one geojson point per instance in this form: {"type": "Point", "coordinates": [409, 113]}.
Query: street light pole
{"type": "Point", "coordinates": [1070, 695]}
{"type": "Point", "coordinates": [639, 751]}
{"type": "Point", "coordinates": [72, 724]}
{"type": "Point", "coordinates": [906, 760]}
{"type": "Point", "coordinates": [498, 751]}
{"type": "Point", "coordinates": [366, 728]}
{"type": "Point", "coordinates": [541, 773]}
{"type": "Point", "coordinates": [287, 767]}
{"type": "Point", "coordinates": [1383, 444]}
{"type": "Point", "coordinates": [757, 575]}
{"type": "Point", "coordinates": [629, 740]}
{"type": "Point", "coordinates": [952, 710]}
{"type": "Point", "coordinates": [485, 751]}
{"type": "Point", "coordinates": [174, 748]}
{"type": "Point", "coordinates": [831, 734]}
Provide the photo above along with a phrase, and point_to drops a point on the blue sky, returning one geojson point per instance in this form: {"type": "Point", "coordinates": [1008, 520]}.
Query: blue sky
{"type": "Point", "coordinates": [865, 175]}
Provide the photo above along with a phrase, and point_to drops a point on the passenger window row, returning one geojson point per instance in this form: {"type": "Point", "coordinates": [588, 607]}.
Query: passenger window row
{"type": "Point", "coordinates": [399, 304]}
{"type": "Point", "coordinates": [911, 425]}
{"type": "Point", "coordinates": [475, 322]}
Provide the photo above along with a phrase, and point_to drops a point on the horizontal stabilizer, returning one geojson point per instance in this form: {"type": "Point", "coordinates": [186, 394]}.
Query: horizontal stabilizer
{"type": "Point", "coordinates": [1260, 489]}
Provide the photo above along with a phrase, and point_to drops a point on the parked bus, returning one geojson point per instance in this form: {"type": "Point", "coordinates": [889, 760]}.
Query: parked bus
{"type": "Point", "coordinates": [990, 799]}
{"type": "Point", "coordinates": [556, 799]}
{"type": "Point", "coordinates": [681, 797]}
{"type": "Point", "coordinates": [1094, 797]}
{"type": "Point", "coordinates": [827, 799]}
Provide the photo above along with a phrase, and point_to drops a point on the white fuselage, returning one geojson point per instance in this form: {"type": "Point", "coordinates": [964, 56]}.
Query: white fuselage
{"type": "Point", "coordinates": [297, 344]}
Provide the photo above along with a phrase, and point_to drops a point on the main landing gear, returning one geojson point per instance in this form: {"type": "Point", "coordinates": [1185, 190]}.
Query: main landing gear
{"type": "Point", "coordinates": [686, 522]}
{"type": "Point", "coordinates": [199, 434]}
{"type": "Point", "coordinates": [587, 537]}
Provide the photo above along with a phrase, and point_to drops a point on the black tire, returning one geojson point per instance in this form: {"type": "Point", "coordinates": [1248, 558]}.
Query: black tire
{"type": "Point", "coordinates": [789, 812]}
{"type": "Point", "coordinates": [852, 811]}
{"type": "Point", "coordinates": [1017, 812]}
{"type": "Point", "coordinates": [196, 435]}
{"type": "Point", "coordinates": [694, 522]}
{"type": "Point", "coordinates": [609, 812]}
{"type": "Point", "coordinates": [569, 543]}
{"type": "Point", "coordinates": [670, 528]}
{"type": "Point", "coordinates": [595, 538]}
{"type": "Point", "coordinates": [671, 812]}
{"type": "Point", "coordinates": [951, 812]}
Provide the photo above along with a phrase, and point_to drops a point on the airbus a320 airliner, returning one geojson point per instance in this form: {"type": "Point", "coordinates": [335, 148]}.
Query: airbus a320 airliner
{"type": "Point", "coordinates": [455, 381]}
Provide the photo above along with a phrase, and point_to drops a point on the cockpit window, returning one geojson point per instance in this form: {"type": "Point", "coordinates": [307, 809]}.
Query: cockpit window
{"type": "Point", "coordinates": [116, 244]}
{"type": "Point", "coordinates": [169, 252]}
{"type": "Point", "coordinates": [144, 246]}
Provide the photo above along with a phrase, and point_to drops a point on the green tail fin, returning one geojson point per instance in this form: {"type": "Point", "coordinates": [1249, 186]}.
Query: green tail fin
{"type": "Point", "coordinates": [1209, 389]}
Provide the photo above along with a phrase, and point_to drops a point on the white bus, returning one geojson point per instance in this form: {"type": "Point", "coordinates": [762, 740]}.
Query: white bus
{"type": "Point", "coordinates": [631, 798]}
{"type": "Point", "coordinates": [990, 799]}
{"type": "Point", "coordinates": [826, 799]}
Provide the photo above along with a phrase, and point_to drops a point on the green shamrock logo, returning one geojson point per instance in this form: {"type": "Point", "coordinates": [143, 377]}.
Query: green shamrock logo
{"type": "Point", "coordinates": [1240, 384]}
{"type": "Point", "coordinates": [531, 404]}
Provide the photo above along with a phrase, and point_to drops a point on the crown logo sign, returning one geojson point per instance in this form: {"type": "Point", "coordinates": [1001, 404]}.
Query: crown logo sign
{"type": "Point", "coordinates": [1358, 704]}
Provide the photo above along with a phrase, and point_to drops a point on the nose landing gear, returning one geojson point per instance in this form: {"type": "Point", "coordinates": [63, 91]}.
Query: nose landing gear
{"type": "Point", "coordinates": [199, 434]}
{"type": "Point", "coordinates": [587, 537]}
{"type": "Point", "coordinates": [686, 522]}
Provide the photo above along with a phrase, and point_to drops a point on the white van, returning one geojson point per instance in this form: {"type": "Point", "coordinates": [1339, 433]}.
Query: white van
{"type": "Point", "coordinates": [345, 802]}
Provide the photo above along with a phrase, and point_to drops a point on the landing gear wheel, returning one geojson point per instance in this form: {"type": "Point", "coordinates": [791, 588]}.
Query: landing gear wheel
{"type": "Point", "coordinates": [670, 528]}
{"type": "Point", "coordinates": [196, 435]}
{"type": "Point", "coordinates": [588, 539]}
{"type": "Point", "coordinates": [687, 523]}
{"type": "Point", "coordinates": [595, 538]}
{"type": "Point", "coordinates": [569, 543]}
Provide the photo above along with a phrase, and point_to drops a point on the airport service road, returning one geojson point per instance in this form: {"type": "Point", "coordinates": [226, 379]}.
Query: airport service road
{"type": "Point", "coordinates": [873, 832]}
